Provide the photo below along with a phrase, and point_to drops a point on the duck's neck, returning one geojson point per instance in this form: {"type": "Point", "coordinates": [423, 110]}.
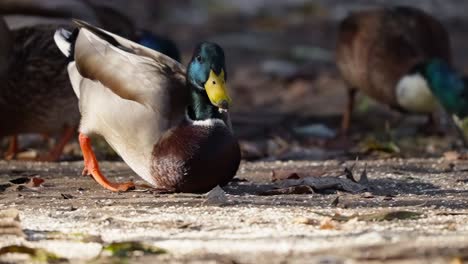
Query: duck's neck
{"type": "Point", "coordinates": [200, 107]}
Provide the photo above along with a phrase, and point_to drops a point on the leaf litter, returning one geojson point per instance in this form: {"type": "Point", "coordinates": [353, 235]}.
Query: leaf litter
{"type": "Point", "coordinates": [387, 215]}
{"type": "Point", "coordinates": [130, 248]}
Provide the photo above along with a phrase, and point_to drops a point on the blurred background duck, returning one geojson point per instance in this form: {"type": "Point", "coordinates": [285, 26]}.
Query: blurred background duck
{"type": "Point", "coordinates": [451, 90]}
{"type": "Point", "coordinates": [388, 53]}
{"type": "Point", "coordinates": [33, 94]}
{"type": "Point", "coordinates": [43, 102]}
{"type": "Point", "coordinates": [169, 125]}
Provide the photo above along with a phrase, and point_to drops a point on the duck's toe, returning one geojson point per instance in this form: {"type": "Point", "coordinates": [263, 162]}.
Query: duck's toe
{"type": "Point", "coordinates": [126, 186]}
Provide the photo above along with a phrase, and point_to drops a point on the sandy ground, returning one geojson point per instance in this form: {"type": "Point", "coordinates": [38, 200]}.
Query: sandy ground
{"type": "Point", "coordinates": [405, 211]}
{"type": "Point", "coordinates": [423, 201]}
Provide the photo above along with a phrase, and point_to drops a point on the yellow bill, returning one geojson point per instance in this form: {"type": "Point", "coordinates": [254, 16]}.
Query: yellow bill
{"type": "Point", "coordinates": [216, 89]}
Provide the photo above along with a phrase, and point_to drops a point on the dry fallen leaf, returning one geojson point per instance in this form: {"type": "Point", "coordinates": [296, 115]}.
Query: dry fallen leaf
{"type": "Point", "coordinates": [20, 180]}
{"type": "Point", "coordinates": [326, 184]}
{"type": "Point", "coordinates": [306, 221]}
{"type": "Point", "coordinates": [32, 182]}
{"type": "Point", "coordinates": [455, 155]}
{"type": "Point", "coordinates": [35, 182]}
{"type": "Point", "coordinates": [37, 255]}
{"type": "Point", "coordinates": [278, 175]}
{"type": "Point", "coordinates": [130, 248]}
{"type": "Point", "coordinates": [367, 195]}
{"type": "Point", "coordinates": [335, 201]}
{"type": "Point", "coordinates": [328, 223]}
{"type": "Point", "coordinates": [384, 215]}
{"type": "Point", "coordinates": [67, 196]}
{"type": "Point", "coordinates": [299, 189]}
{"type": "Point", "coordinates": [452, 155]}
{"type": "Point", "coordinates": [363, 179]}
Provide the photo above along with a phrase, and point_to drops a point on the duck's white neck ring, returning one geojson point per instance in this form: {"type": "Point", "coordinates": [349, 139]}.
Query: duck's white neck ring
{"type": "Point", "coordinates": [413, 94]}
{"type": "Point", "coordinates": [204, 122]}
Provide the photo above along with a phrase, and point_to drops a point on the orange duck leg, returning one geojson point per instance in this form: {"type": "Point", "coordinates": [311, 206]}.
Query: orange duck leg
{"type": "Point", "coordinates": [55, 153]}
{"type": "Point", "coordinates": [92, 168]}
{"type": "Point", "coordinates": [12, 148]}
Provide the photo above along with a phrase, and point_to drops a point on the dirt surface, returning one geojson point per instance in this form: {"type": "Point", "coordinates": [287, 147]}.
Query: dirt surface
{"type": "Point", "coordinates": [401, 203]}
{"type": "Point", "coordinates": [400, 210]}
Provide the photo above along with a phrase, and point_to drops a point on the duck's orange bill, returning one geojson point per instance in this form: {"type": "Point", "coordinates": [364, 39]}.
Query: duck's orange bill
{"type": "Point", "coordinates": [91, 167]}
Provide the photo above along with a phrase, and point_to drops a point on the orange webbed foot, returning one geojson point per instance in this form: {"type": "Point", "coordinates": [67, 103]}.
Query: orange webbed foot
{"type": "Point", "coordinates": [92, 168]}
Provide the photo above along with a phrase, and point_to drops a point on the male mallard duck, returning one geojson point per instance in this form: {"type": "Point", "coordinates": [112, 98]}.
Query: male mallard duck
{"type": "Point", "coordinates": [44, 102]}
{"type": "Point", "coordinates": [168, 125]}
{"type": "Point", "coordinates": [386, 53]}
{"type": "Point", "coordinates": [451, 90]}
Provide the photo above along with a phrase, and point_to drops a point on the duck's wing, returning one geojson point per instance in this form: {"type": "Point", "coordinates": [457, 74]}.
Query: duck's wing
{"type": "Point", "coordinates": [130, 70]}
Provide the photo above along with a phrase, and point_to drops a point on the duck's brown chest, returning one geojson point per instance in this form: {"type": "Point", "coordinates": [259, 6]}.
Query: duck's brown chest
{"type": "Point", "coordinates": [195, 158]}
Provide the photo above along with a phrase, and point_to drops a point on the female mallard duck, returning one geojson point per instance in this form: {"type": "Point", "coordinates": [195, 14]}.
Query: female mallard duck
{"type": "Point", "coordinates": [24, 13]}
{"type": "Point", "coordinates": [168, 126]}
{"type": "Point", "coordinates": [386, 53]}
{"type": "Point", "coordinates": [33, 94]}
{"type": "Point", "coordinates": [59, 12]}
{"type": "Point", "coordinates": [44, 102]}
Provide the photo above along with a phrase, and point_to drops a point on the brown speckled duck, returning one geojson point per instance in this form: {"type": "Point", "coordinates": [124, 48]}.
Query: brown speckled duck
{"type": "Point", "coordinates": [25, 13]}
{"type": "Point", "coordinates": [169, 125]}
{"type": "Point", "coordinates": [44, 102]}
{"type": "Point", "coordinates": [385, 52]}
{"type": "Point", "coordinates": [33, 94]}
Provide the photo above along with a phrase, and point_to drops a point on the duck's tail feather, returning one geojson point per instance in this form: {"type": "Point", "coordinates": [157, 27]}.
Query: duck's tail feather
{"type": "Point", "coordinates": [102, 34]}
{"type": "Point", "coordinates": [65, 41]}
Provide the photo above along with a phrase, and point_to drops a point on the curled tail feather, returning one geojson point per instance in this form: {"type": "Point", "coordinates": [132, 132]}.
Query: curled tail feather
{"type": "Point", "coordinates": [65, 41]}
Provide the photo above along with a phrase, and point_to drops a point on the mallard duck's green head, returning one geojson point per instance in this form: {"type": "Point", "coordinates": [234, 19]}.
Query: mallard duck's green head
{"type": "Point", "coordinates": [447, 86]}
{"type": "Point", "coordinates": [207, 73]}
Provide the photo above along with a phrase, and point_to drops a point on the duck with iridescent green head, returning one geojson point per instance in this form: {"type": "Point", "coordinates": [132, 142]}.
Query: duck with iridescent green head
{"type": "Point", "coordinates": [387, 53]}
{"type": "Point", "coordinates": [451, 91]}
{"type": "Point", "coordinates": [169, 125]}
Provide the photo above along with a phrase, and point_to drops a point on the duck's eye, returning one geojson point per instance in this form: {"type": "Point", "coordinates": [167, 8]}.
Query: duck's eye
{"type": "Point", "coordinates": [198, 58]}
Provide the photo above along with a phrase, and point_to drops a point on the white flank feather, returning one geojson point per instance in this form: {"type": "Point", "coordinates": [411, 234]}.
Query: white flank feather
{"type": "Point", "coordinates": [414, 95]}
{"type": "Point", "coordinates": [61, 40]}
